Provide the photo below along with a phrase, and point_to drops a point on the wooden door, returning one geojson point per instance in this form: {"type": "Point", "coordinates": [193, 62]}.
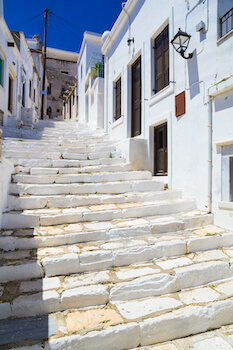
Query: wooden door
{"type": "Point", "coordinates": [136, 98]}
{"type": "Point", "coordinates": [160, 150]}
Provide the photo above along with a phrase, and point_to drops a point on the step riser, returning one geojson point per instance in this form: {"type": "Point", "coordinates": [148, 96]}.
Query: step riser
{"type": "Point", "coordinates": [21, 203]}
{"type": "Point", "coordinates": [107, 188]}
{"type": "Point", "coordinates": [12, 221]}
{"type": "Point", "coordinates": [12, 243]}
{"type": "Point", "coordinates": [56, 148]}
{"type": "Point", "coordinates": [81, 178]}
{"type": "Point", "coordinates": [65, 162]}
{"type": "Point", "coordinates": [154, 285]}
{"type": "Point", "coordinates": [59, 155]}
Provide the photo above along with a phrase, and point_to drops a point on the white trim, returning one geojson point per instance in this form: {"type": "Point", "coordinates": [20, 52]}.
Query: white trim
{"type": "Point", "coordinates": [224, 143]}
{"type": "Point", "coordinates": [166, 91]}
{"type": "Point", "coordinates": [225, 205]}
{"type": "Point", "coordinates": [118, 25]}
{"type": "Point", "coordinates": [118, 122]}
{"type": "Point", "coordinates": [224, 37]}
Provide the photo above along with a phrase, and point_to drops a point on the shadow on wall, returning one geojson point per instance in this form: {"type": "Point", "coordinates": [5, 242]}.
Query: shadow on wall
{"type": "Point", "coordinates": [223, 102]}
{"type": "Point", "coordinates": [193, 75]}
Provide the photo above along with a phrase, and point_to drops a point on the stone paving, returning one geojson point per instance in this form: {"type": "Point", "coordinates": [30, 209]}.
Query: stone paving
{"type": "Point", "coordinates": [95, 255]}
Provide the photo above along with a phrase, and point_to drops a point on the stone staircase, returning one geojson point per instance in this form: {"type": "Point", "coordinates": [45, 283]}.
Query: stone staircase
{"type": "Point", "coordinates": [95, 255]}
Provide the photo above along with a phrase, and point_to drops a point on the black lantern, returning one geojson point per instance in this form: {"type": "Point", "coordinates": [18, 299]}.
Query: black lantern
{"type": "Point", "coordinates": [180, 43]}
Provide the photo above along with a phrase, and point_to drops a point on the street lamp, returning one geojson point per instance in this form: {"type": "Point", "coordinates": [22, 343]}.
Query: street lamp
{"type": "Point", "coordinates": [180, 43]}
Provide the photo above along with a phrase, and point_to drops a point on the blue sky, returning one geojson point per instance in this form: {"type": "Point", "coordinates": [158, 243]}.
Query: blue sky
{"type": "Point", "coordinates": [92, 15]}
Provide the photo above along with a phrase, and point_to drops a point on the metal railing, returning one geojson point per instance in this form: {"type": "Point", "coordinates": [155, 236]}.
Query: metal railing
{"type": "Point", "coordinates": [226, 23]}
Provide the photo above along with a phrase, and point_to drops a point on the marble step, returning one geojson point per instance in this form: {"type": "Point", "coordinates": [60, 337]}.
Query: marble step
{"type": "Point", "coordinates": [88, 188]}
{"type": "Point", "coordinates": [121, 287]}
{"type": "Point", "coordinates": [44, 162]}
{"type": "Point", "coordinates": [81, 178]}
{"type": "Point", "coordinates": [218, 339]}
{"type": "Point", "coordinates": [130, 325]}
{"type": "Point", "coordinates": [35, 154]}
{"type": "Point", "coordinates": [46, 217]}
{"type": "Point", "coordinates": [21, 147]}
{"type": "Point", "coordinates": [69, 201]}
{"type": "Point", "coordinates": [73, 169]}
{"type": "Point", "coordinates": [71, 143]}
{"type": "Point", "coordinates": [163, 227]}
{"type": "Point", "coordinates": [96, 256]}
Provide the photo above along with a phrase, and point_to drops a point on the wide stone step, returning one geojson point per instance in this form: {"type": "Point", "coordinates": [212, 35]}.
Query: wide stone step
{"type": "Point", "coordinates": [129, 325]}
{"type": "Point", "coordinates": [92, 256]}
{"type": "Point", "coordinates": [122, 287]}
{"type": "Point", "coordinates": [46, 217]}
{"type": "Point", "coordinates": [35, 154]}
{"type": "Point", "coordinates": [82, 169]}
{"type": "Point", "coordinates": [69, 201]}
{"type": "Point", "coordinates": [171, 227]}
{"type": "Point", "coordinates": [29, 147]}
{"type": "Point", "coordinates": [82, 178]}
{"type": "Point", "coordinates": [218, 339]}
{"type": "Point", "coordinates": [44, 162]}
{"type": "Point", "coordinates": [90, 188]}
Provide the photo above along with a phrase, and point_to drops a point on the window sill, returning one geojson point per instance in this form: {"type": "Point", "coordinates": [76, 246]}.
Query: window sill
{"type": "Point", "coordinates": [161, 94]}
{"type": "Point", "coordinates": [224, 37]}
{"type": "Point", "coordinates": [224, 143]}
{"type": "Point", "coordinates": [117, 122]}
{"type": "Point", "coordinates": [225, 205]}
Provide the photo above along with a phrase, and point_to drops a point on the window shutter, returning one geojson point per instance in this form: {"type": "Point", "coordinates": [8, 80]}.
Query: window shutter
{"type": "Point", "coordinates": [118, 99]}
{"type": "Point", "coordinates": [161, 47]}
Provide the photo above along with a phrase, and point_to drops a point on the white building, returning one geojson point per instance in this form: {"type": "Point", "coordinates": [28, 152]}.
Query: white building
{"type": "Point", "coordinates": [91, 81]}
{"type": "Point", "coordinates": [175, 115]}
{"type": "Point", "coordinates": [29, 82]}
{"type": "Point", "coordinates": [9, 70]}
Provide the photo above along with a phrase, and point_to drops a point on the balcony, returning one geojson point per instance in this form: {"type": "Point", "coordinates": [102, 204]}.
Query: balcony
{"type": "Point", "coordinates": [95, 66]}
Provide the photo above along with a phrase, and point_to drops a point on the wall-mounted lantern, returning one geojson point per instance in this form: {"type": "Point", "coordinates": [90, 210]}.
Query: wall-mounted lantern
{"type": "Point", "coordinates": [180, 43]}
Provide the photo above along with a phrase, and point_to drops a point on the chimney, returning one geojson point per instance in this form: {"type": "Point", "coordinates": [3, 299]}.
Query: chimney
{"type": "Point", "coordinates": [1, 10]}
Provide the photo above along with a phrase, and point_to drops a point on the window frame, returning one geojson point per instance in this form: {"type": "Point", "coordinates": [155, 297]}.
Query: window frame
{"type": "Point", "coordinates": [2, 64]}
{"type": "Point", "coordinates": [117, 98]}
{"type": "Point", "coordinates": [162, 36]}
{"type": "Point", "coordinates": [10, 107]}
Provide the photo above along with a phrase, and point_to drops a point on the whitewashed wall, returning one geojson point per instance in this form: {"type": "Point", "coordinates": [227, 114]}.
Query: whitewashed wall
{"type": "Point", "coordinates": [91, 44]}
{"type": "Point", "coordinates": [12, 60]}
{"type": "Point", "coordinates": [188, 161]}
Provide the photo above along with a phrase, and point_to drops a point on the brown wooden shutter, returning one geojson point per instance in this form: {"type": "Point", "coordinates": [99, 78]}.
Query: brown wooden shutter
{"type": "Point", "coordinates": [180, 103]}
{"type": "Point", "coordinates": [161, 47]}
{"type": "Point", "coordinates": [118, 99]}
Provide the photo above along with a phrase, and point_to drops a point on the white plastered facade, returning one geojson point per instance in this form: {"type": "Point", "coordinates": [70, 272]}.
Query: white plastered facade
{"type": "Point", "coordinates": [207, 82]}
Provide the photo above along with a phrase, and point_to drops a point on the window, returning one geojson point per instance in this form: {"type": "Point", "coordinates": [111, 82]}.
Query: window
{"type": "Point", "coordinates": [161, 56]}
{"type": "Point", "coordinates": [49, 89]}
{"type": "Point", "coordinates": [118, 99]}
{"type": "Point", "coordinates": [231, 179]}
{"type": "Point", "coordinates": [23, 94]}
{"type": "Point", "coordinates": [30, 88]}
{"type": "Point", "coordinates": [226, 23]}
{"type": "Point", "coordinates": [34, 95]}
{"type": "Point", "coordinates": [1, 71]}
{"type": "Point", "coordinates": [10, 95]}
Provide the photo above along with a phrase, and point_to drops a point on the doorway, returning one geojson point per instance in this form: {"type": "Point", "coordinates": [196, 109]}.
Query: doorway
{"type": "Point", "coordinates": [160, 149]}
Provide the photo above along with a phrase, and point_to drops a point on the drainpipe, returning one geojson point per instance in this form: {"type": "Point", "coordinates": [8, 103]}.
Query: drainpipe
{"type": "Point", "coordinates": [210, 149]}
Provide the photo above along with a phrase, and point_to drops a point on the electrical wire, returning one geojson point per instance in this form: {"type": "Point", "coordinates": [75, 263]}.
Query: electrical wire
{"type": "Point", "coordinates": [29, 20]}
{"type": "Point", "coordinates": [80, 29]}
